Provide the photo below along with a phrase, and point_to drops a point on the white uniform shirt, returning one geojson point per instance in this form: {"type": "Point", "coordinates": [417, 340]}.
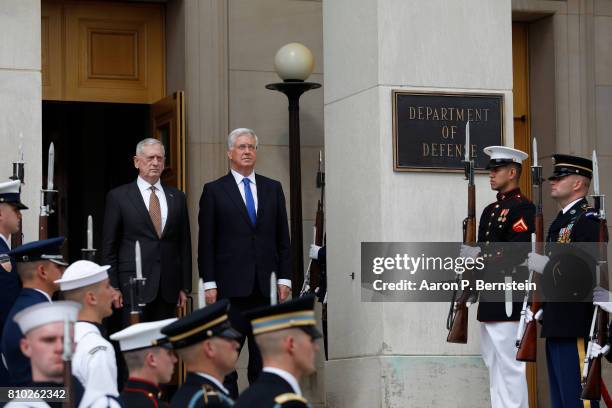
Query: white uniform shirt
{"type": "Point", "coordinates": [93, 362]}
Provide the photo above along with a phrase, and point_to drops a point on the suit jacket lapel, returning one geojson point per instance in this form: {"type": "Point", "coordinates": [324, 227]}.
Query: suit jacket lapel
{"type": "Point", "coordinates": [262, 197]}
{"type": "Point", "coordinates": [136, 199]}
{"type": "Point", "coordinates": [231, 188]}
{"type": "Point", "coordinates": [171, 202]}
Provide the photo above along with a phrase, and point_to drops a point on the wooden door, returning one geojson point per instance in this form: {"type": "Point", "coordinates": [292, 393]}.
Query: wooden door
{"type": "Point", "coordinates": [168, 126]}
{"type": "Point", "coordinates": [522, 140]}
{"type": "Point", "coordinates": [520, 77]}
{"type": "Point", "coordinates": [102, 51]}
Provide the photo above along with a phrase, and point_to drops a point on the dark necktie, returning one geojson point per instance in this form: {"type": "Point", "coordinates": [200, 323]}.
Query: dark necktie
{"type": "Point", "coordinates": [250, 202]}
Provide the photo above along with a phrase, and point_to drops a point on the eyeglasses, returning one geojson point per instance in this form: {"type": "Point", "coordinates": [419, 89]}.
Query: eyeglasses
{"type": "Point", "coordinates": [244, 147]}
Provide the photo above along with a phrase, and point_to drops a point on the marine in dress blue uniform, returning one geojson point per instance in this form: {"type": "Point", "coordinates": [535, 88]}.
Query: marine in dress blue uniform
{"type": "Point", "coordinates": [278, 384]}
{"type": "Point", "coordinates": [32, 293]}
{"type": "Point", "coordinates": [207, 343]}
{"type": "Point", "coordinates": [565, 326]}
{"type": "Point", "coordinates": [10, 217]}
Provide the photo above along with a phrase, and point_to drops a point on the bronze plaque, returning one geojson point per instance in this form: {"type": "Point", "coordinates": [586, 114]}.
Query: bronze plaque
{"type": "Point", "coordinates": [429, 129]}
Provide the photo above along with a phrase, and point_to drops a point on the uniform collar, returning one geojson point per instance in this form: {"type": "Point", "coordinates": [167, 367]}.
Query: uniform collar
{"type": "Point", "coordinates": [285, 376]}
{"type": "Point", "coordinates": [45, 294]}
{"type": "Point", "coordinates": [138, 384]}
{"type": "Point", "coordinates": [97, 326]}
{"type": "Point", "coordinates": [213, 380]}
{"type": "Point", "coordinates": [6, 240]}
{"type": "Point", "coordinates": [570, 205]}
{"type": "Point", "coordinates": [509, 194]}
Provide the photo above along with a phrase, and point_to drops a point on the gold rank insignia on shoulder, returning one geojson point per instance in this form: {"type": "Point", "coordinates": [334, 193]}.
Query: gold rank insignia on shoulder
{"type": "Point", "coordinates": [284, 398]}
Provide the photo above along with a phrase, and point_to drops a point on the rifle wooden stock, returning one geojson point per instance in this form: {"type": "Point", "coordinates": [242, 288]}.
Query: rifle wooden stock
{"type": "Point", "coordinates": [17, 238]}
{"type": "Point", "coordinates": [43, 232]}
{"type": "Point", "coordinates": [69, 401]}
{"type": "Point", "coordinates": [134, 318]}
{"type": "Point", "coordinates": [528, 348]}
{"type": "Point", "coordinates": [591, 389]}
{"type": "Point", "coordinates": [458, 332]}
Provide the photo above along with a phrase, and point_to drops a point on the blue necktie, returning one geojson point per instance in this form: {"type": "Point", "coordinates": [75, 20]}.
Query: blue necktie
{"type": "Point", "coordinates": [250, 203]}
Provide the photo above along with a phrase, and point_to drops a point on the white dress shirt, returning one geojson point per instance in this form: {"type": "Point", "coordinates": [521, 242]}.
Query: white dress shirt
{"type": "Point", "coordinates": [145, 191]}
{"type": "Point", "coordinates": [239, 177]}
{"type": "Point", "coordinates": [293, 382]}
{"type": "Point", "coordinates": [570, 205]}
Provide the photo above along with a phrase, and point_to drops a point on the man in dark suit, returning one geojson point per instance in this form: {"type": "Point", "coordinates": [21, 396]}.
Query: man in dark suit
{"type": "Point", "coordinates": [10, 218]}
{"type": "Point", "coordinates": [39, 265]}
{"type": "Point", "coordinates": [156, 216]}
{"type": "Point", "coordinates": [243, 238]}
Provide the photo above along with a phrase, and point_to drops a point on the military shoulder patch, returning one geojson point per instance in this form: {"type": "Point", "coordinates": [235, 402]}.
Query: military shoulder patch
{"type": "Point", "coordinates": [288, 397]}
{"type": "Point", "coordinates": [591, 213]}
{"type": "Point", "coordinates": [96, 349]}
{"type": "Point", "coordinates": [520, 226]}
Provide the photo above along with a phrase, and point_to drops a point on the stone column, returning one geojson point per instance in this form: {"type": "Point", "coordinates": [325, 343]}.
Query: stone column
{"type": "Point", "coordinates": [20, 101]}
{"type": "Point", "coordinates": [395, 354]}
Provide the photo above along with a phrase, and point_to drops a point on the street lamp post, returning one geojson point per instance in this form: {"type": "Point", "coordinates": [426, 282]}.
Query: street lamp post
{"type": "Point", "coordinates": [294, 63]}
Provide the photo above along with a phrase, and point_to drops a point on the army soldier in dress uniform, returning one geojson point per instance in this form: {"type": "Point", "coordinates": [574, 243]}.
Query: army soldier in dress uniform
{"type": "Point", "coordinates": [566, 325]}
{"type": "Point", "coordinates": [39, 265]}
{"type": "Point", "coordinates": [94, 361]}
{"type": "Point", "coordinates": [43, 343]}
{"type": "Point", "coordinates": [509, 219]}
{"type": "Point", "coordinates": [150, 360]}
{"type": "Point", "coordinates": [286, 336]}
{"type": "Point", "coordinates": [208, 346]}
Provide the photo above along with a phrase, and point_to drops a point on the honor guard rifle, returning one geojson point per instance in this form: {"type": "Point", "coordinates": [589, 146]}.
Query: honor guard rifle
{"type": "Point", "coordinates": [136, 284]}
{"type": "Point", "coordinates": [591, 374]}
{"type": "Point", "coordinates": [67, 357]}
{"type": "Point", "coordinates": [46, 197]}
{"type": "Point", "coordinates": [527, 334]}
{"type": "Point", "coordinates": [457, 320]}
{"type": "Point", "coordinates": [18, 174]}
{"type": "Point", "coordinates": [312, 279]}
{"type": "Point", "coordinates": [89, 253]}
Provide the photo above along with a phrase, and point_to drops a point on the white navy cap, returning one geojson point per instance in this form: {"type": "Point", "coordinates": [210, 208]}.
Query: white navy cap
{"type": "Point", "coordinates": [10, 193]}
{"type": "Point", "coordinates": [45, 313]}
{"type": "Point", "coordinates": [143, 335]}
{"type": "Point", "coordinates": [502, 155]}
{"type": "Point", "coordinates": [81, 274]}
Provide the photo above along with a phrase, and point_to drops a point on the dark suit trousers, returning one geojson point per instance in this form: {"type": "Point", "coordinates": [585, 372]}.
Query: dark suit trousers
{"type": "Point", "coordinates": [238, 306]}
